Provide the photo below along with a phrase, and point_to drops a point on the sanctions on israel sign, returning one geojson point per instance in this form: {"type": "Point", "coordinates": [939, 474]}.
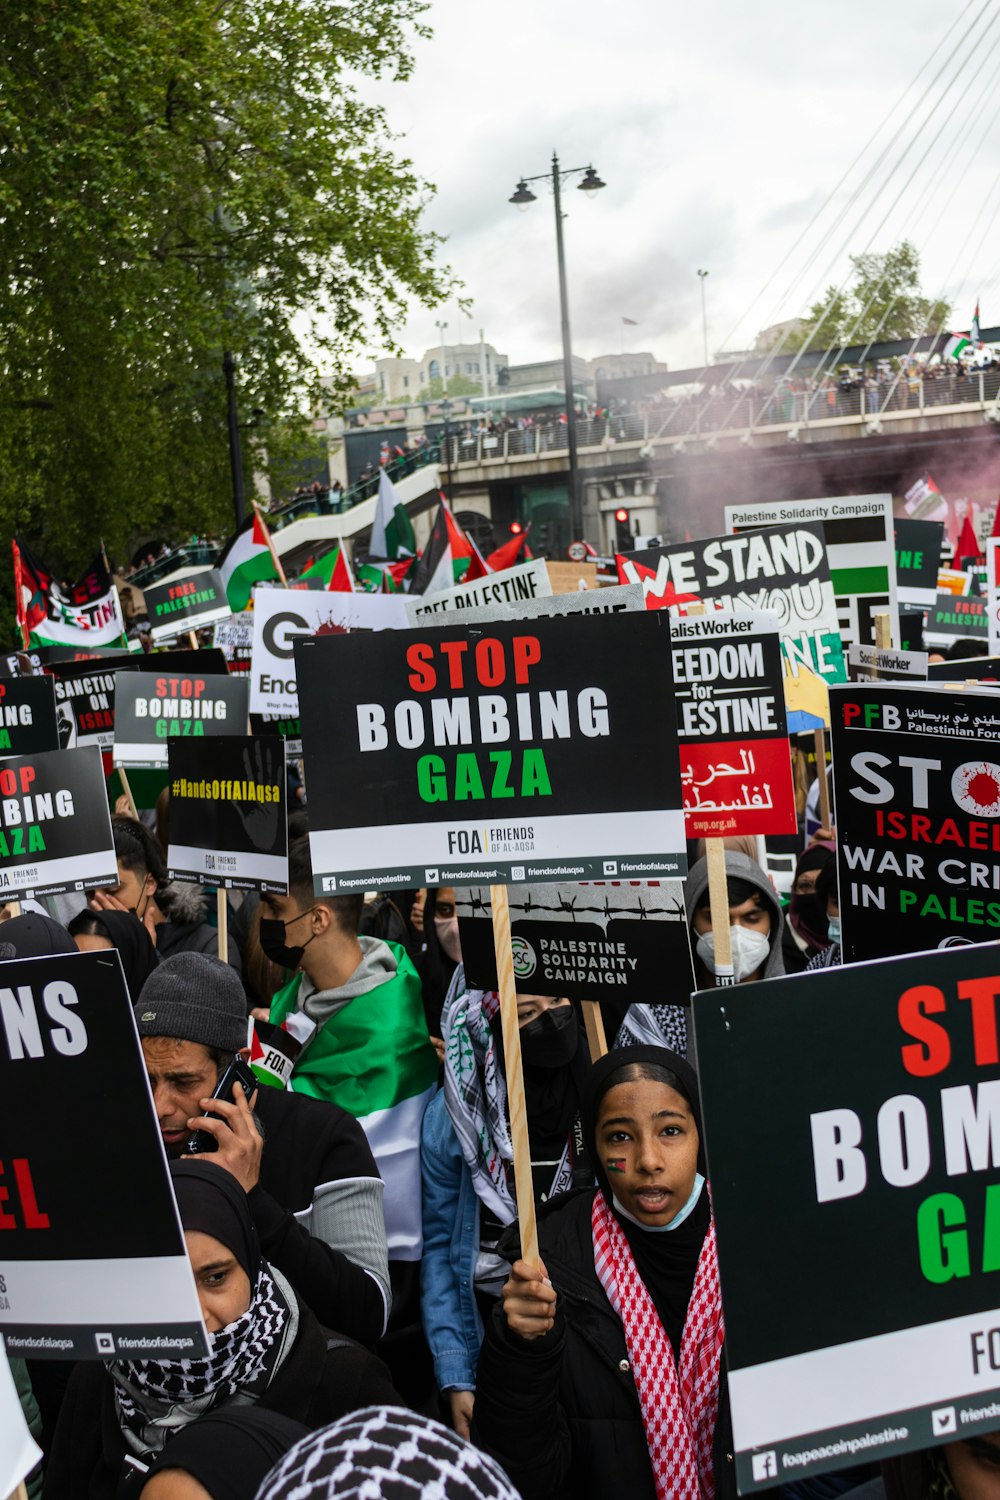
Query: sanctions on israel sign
{"type": "Point", "coordinates": [736, 770]}
{"type": "Point", "coordinates": [874, 1331]}
{"type": "Point", "coordinates": [519, 751]}
{"type": "Point", "coordinates": [916, 774]}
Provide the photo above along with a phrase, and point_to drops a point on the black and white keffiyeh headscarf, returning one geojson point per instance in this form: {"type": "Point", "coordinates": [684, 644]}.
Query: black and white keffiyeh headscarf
{"type": "Point", "coordinates": [154, 1398]}
{"type": "Point", "coordinates": [390, 1453]}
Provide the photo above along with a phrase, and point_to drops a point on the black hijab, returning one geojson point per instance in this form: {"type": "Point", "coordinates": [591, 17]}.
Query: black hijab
{"type": "Point", "coordinates": [125, 932]}
{"type": "Point", "coordinates": [665, 1259]}
{"type": "Point", "coordinates": [210, 1200]}
{"type": "Point", "coordinates": [230, 1451]}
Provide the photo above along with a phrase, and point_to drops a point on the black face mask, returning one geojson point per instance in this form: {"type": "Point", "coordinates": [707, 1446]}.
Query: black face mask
{"type": "Point", "coordinates": [551, 1040]}
{"type": "Point", "coordinates": [273, 945]}
{"type": "Point", "coordinates": [811, 910]}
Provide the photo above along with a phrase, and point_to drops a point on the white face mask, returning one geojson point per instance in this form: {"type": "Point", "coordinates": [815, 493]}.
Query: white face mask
{"type": "Point", "coordinates": [750, 950]}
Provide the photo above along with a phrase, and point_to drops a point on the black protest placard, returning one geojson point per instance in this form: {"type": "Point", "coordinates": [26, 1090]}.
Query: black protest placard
{"type": "Point", "coordinates": [234, 638]}
{"type": "Point", "coordinates": [290, 730]}
{"type": "Point", "coordinates": [781, 570]}
{"type": "Point", "coordinates": [736, 770]}
{"type": "Point", "coordinates": [186, 604]}
{"type": "Point", "coordinates": [583, 941]}
{"type": "Point", "coordinates": [85, 702]}
{"type": "Point", "coordinates": [916, 774]}
{"type": "Point", "coordinates": [93, 1264]}
{"type": "Point", "coordinates": [520, 751]}
{"type": "Point", "coordinates": [152, 708]}
{"type": "Point", "coordinates": [859, 1278]}
{"type": "Point", "coordinates": [55, 828]}
{"type": "Point", "coordinates": [965, 669]}
{"type": "Point", "coordinates": [27, 716]}
{"type": "Point", "coordinates": [227, 813]}
{"type": "Point", "coordinates": [955, 616]}
{"type": "Point", "coordinates": [918, 557]}
{"type": "Point", "coordinates": [185, 660]}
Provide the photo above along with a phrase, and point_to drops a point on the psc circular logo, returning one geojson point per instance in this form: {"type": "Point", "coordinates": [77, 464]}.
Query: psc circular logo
{"type": "Point", "coordinates": [525, 962]}
{"type": "Point", "coordinates": [975, 786]}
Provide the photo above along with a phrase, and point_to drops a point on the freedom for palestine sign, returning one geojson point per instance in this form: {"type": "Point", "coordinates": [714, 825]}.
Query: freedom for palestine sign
{"type": "Point", "coordinates": [517, 752]}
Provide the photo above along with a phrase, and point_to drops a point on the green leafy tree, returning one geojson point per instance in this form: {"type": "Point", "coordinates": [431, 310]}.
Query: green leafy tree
{"type": "Point", "coordinates": [458, 385]}
{"type": "Point", "coordinates": [881, 302]}
{"type": "Point", "coordinates": [177, 180]}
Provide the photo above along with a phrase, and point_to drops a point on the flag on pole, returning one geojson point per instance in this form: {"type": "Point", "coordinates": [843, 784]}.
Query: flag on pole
{"type": "Point", "coordinates": [974, 330]}
{"type": "Point", "coordinates": [923, 501]}
{"type": "Point", "coordinates": [392, 531]}
{"type": "Point", "coordinates": [247, 559]}
{"type": "Point", "coordinates": [435, 568]}
{"type": "Point", "coordinates": [967, 547]}
{"type": "Point", "coordinates": [51, 613]}
{"type": "Point", "coordinates": [334, 569]}
{"type": "Point", "coordinates": [467, 560]}
{"type": "Point", "coordinates": [955, 346]}
{"type": "Point", "coordinates": [506, 555]}
{"type": "Point", "coordinates": [630, 322]}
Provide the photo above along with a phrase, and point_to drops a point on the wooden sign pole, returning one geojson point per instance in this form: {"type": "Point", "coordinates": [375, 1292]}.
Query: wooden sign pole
{"type": "Point", "coordinates": [523, 1186]}
{"type": "Point", "coordinates": [270, 547]}
{"type": "Point", "coordinates": [193, 640]}
{"type": "Point", "coordinates": [222, 918]}
{"type": "Point", "coordinates": [718, 905]}
{"type": "Point", "coordinates": [883, 630]}
{"type": "Point", "coordinates": [133, 810]}
{"type": "Point", "coordinates": [594, 1023]}
{"type": "Point", "coordinates": [819, 740]}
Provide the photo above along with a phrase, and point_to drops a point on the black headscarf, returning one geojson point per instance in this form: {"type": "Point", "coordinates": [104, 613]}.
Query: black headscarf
{"type": "Point", "coordinates": [125, 932]}
{"type": "Point", "coordinates": [229, 1452]}
{"type": "Point", "coordinates": [210, 1199]}
{"type": "Point", "coordinates": [666, 1260]}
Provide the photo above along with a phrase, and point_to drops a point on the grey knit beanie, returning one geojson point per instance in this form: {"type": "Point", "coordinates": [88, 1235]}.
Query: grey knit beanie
{"type": "Point", "coordinates": [194, 998]}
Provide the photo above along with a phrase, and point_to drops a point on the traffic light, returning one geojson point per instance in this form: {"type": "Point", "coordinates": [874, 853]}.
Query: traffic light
{"type": "Point", "coordinates": [623, 531]}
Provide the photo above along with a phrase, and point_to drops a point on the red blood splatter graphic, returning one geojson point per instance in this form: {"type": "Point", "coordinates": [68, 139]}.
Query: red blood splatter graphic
{"type": "Point", "coordinates": [329, 627]}
{"type": "Point", "coordinates": [976, 788]}
{"type": "Point", "coordinates": [983, 788]}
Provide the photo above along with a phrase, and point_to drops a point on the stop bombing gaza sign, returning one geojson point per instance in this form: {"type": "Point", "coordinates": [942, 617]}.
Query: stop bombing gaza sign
{"type": "Point", "coordinates": [516, 752]}
{"type": "Point", "coordinates": [874, 1328]}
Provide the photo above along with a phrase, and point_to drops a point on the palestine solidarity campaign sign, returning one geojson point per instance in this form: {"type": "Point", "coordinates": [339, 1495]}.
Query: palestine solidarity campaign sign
{"type": "Point", "coordinates": [516, 752]}
{"type": "Point", "coordinates": [227, 813]}
{"type": "Point", "coordinates": [860, 1276]}
{"type": "Point", "coordinates": [93, 1263]}
{"type": "Point", "coordinates": [916, 776]}
{"type": "Point", "coordinates": [736, 771]}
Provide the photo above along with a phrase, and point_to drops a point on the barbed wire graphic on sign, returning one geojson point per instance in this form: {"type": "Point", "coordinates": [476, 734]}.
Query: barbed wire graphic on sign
{"type": "Point", "coordinates": [478, 904]}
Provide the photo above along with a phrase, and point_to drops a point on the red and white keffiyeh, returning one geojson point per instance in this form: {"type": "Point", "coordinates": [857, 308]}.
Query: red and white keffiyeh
{"type": "Point", "coordinates": [679, 1407]}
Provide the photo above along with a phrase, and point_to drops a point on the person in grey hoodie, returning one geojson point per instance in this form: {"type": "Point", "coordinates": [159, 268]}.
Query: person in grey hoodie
{"type": "Point", "coordinates": [756, 926]}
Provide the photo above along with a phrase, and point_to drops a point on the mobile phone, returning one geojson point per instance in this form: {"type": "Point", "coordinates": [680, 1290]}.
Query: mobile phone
{"type": "Point", "coordinates": [237, 1072]}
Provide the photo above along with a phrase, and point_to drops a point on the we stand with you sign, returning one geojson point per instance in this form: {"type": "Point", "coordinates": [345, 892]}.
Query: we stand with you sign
{"type": "Point", "coordinates": [517, 752]}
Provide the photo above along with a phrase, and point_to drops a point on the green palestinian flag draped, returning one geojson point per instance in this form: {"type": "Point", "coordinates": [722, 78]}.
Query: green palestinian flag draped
{"type": "Point", "coordinates": [392, 532]}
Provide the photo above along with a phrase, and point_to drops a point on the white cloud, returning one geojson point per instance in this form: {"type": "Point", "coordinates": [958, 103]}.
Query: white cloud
{"type": "Point", "coordinates": [719, 129]}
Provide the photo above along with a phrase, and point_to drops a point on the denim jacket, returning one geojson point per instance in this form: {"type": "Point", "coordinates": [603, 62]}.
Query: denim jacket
{"type": "Point", "coordinates": [451, 1318]}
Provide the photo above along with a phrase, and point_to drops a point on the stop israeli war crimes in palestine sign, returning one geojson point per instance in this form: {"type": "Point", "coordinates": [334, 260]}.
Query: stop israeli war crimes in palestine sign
{"type": "Point", "coordinates": [916, 773]}
{"type": "Point", "coordinates": [92, 1256]}
{"type": "Point", "coordinates": [782, 571]}
{"type": "Point", "coordinates": [151, 709]}
{"type": "Point", "coordinates": [580, 940]}
{"type": "Point", "coordinates": [736, 770]}
{"type": "Point", "coordinates": [519, 751]}
{"type": "Point", "coordinates": [55, 828]}
{"type": "Point", "coordinates": [875, 1328]}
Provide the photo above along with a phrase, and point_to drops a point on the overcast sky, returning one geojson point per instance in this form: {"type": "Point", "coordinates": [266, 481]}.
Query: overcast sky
{"type": "Point", "coordinates": [719, 127]}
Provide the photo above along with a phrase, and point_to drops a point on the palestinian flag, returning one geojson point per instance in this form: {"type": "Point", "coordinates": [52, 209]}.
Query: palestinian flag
{"type": "Point", "coordinates": [925, 502]}
{"type": "Point", "coordinates": [955, 346]}
{"type": "Point", "coordinates": [392, 532]}
{"type": "Point", "coordinates": [335, 571]}
{"type": "Point", "coordinates": [467, 560]}
{"type": "Point", "coordinates": [974, 334]}
{"type": "Point", "coordinates": [86, 613]}
{"type": "Point", "coordinates": [506, 555]}
{"type": "Point", "coordinates": [373, 1058]}
{"type": "Point", "coordinates": [245, 561]}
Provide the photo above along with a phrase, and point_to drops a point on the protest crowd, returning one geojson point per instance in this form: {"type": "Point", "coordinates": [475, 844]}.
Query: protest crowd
{"type": "Point", "coordinates": [525, 1144]}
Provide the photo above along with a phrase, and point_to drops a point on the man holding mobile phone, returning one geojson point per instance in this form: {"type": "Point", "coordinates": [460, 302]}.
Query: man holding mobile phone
{"type": "Point", "coordinates": [311, 1181]}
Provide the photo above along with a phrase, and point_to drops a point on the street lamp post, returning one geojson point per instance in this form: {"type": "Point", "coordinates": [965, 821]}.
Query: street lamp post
{"type": "Point", "coordinates": [446, 405]}
{"type": "Point", "coordinates": [704, 316]}
{"type": "Point", "coordinates": [522, 197]}
{"type": "Point", "coordinates": [235, 446]}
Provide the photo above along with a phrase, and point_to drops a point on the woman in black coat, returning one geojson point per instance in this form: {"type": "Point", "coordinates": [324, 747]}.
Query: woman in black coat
{"type": "Point", "coordinates": [601, 1373]}
{"type": "Point", "coordinates": [266, 1348]}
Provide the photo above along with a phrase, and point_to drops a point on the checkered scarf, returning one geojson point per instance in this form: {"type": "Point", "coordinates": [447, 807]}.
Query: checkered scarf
{"type": "Point", "coordinates": [475, 1096]}
{"type": "Point", "coordinates": [679, 1407]}
{"type": "Point", "coordinates": [154, 1398]}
